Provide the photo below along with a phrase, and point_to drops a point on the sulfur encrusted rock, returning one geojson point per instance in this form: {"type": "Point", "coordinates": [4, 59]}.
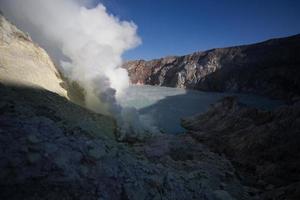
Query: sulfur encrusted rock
{"type": "Point", "coordinates": [24, 63]}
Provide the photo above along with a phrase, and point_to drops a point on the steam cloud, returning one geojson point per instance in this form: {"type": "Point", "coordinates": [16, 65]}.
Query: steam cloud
{"type": "Point", "coordinates": [91, 43]}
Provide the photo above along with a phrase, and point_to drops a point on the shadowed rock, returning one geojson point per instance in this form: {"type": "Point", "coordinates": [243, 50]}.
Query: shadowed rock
{"type": "Point", "coordinates": [262, 145]}
{"type": "Point", "coordinates": [53, 149]}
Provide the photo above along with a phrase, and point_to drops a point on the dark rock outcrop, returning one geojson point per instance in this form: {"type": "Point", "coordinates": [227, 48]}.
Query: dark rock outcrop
{"type": "Point", "coordinates": [262, 145]}
{"type": "Point", "coordinates": [270, 68]}
{"type": "Point", "coordinates": [53, 149]}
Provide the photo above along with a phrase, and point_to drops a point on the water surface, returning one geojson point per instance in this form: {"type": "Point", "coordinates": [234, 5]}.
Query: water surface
{"type": "Point", "coordinates": [166, 106]}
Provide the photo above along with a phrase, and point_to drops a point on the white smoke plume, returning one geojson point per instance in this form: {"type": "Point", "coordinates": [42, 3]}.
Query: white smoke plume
{"type": "Point", "coordinates": [91, 41]}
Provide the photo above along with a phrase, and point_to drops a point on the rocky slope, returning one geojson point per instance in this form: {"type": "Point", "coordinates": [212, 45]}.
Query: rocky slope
{"type": "Point", "coordinates": [22, 62]}
{"type": "Point", "coordinates": [270, 68]}
{"type": "Point", "coordinates": [262, 145]}
{"type": "Point", "coordinates": [51, 148]}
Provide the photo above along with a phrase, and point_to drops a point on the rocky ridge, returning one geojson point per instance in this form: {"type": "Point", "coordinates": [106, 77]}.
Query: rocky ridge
{"type": "Point", "coordinates": [262, 145]}
{"type": "Point", "coordinates": [269, 68]}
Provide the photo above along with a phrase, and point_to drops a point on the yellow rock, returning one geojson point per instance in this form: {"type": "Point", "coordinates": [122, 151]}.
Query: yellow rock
{"type": "Point", "coordinates": [24, 63]}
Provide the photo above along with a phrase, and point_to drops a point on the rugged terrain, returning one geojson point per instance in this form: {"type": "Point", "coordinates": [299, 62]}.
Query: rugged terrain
{"type": "Point", "coordinates": [51, 148]}
{"type": "Point", "coordinates": [54, 149]}
{"type": "Point", "coordinates": [270, 68]}
{"type": "Point", "coordinates": [262, 145]}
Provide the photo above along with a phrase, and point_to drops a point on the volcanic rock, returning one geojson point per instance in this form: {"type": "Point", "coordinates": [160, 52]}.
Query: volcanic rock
{"type": "Point", "coordinates": [270, 68]}
{"type": "Point", "coordinates": [262, 145]}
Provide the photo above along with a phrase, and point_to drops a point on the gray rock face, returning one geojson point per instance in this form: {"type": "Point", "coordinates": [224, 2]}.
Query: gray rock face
{"type": "Point", "coordinates": [68, 153]}
{"type": "Point", "coordinates": [270, 68]}
{"type": "Point", "coordinates": [262, 145]}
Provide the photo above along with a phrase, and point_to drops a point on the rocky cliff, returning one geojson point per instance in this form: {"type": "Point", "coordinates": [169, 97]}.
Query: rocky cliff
{"type": "Point", "coordinates": [23, 62]}
{"type": "Point", "coordinates": [270, 68]}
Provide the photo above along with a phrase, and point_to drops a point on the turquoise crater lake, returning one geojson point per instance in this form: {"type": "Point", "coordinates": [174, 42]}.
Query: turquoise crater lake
{"type": "Point", "coordinates": [166, 106]}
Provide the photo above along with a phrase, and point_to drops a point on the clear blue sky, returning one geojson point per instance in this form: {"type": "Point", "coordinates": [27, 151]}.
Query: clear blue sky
{"type": "Point", "coordinates": [178, 27]}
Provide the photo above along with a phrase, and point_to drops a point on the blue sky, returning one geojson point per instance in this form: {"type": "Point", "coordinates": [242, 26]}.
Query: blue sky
{"type": "Point", "coordinates": [178, 27]}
